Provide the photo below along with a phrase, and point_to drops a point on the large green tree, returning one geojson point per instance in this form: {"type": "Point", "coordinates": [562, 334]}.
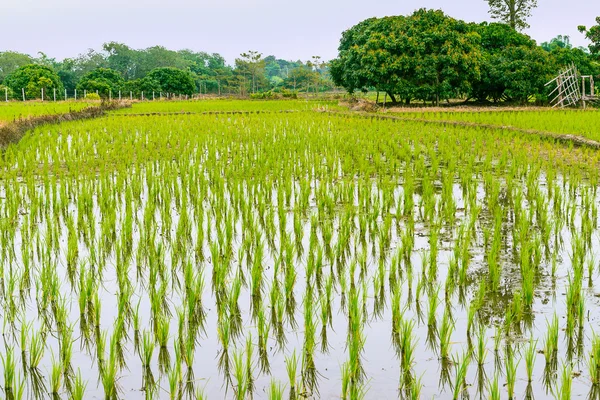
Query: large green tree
{"type": "Point", "coordinates": [173, 80]}
{"type": "Point", "coordinates": [512, 12]}
{"type": "Point", "coordinates": [514, 68]}
{"type": "Point", "coordinates": [33, 78]}
{"type": "Point", "coordinates": [428, 56]}
{"type": "Point", "coordinates": [102, 80]}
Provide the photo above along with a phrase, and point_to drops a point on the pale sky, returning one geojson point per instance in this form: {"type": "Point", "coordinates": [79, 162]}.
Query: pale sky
{"type": "Point", "coordinates": [286, 29]}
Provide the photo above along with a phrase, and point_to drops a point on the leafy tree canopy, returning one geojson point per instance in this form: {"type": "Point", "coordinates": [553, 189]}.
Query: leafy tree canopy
{"type": "Point", "coordinates": [593, 34]}
{"type": "Point", "coordinates": [173, 80]}
{"type": "Point", "coordinates": [33, 78]}
{"type": "Point", "coordinates": [103, 80]}
{"type": "Point", "coordinates": [10, 61]}
{"type": "Point", "coordinates": [514, 13]}
{"type": "Point", "coordinates": [427, 55]}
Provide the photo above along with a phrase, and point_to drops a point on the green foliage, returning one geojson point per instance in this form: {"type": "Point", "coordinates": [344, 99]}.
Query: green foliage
{"type": "Point", "coordinates": [10, 61]}
{"type": "Point", "coordinates": [102, 80]}
{"type": "Point", "coordinates": [93, 96]}
{"type": "Point", "coordinates": [173, 80]}
{"type": "Point", "coordinates": [428, 56]}
{"type": "Point", "coordinates": [33, 78]}
{"type": "Point", "coordinates": [514, 13]}
{"type": "Point", "coordinates": [593, 35]}
{"type": "Point", "coordinates": [584, 62]}
{"type": "Point", "coordinates": [137, 86]}
{"type": "Point", "coordinates": [558, 42]}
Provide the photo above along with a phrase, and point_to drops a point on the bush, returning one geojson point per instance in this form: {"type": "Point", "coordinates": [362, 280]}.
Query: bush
{"type": "Point", "coordinates": [93, 96]}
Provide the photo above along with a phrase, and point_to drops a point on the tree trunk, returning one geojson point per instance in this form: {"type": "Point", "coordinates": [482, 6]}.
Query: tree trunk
{"type": "Point", "coordinates": [392, 97]}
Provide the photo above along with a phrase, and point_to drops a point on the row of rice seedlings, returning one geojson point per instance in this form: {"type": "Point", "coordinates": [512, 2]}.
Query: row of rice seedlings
{"type": "Point", "coordinates": [340, 248]}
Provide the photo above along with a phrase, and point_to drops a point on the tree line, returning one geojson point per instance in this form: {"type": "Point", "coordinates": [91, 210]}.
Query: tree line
{"type": "Point", "coordinates": [429, 56]}
{"type": "Point", "coordinates": [118, 67]}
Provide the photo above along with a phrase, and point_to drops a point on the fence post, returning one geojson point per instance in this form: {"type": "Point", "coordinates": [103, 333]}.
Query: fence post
{"type": "Point", "coordinates": [84, 93]}
{"type": "Point", "coordinates": [42, 94]}
{"type": "Point", "coordinates": [54, 90]}
{"type": "Point", "coordinates": [142, 95]}
{"type": "Point", "coordinates": [152, 96]}
{"type": "Point", "coordinates": [160, 94]}
{"type": "Point", "coordinates": [76, 94]}
{"type": "Point", "coordinates": [65, 94]}
{"type": "Point", "coordinates": [119, 95]}
{"type": "Point", "coordinates": [130, 95]}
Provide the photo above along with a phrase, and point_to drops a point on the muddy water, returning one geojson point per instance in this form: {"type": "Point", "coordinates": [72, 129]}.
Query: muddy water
{"type": "Point", "coordinates": [381, 365]}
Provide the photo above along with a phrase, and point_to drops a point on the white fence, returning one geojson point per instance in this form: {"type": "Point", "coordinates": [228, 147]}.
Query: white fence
{"type": "Point", "coordinates": [59, 95]}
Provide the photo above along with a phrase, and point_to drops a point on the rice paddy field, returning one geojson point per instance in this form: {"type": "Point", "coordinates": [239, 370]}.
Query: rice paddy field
{"type": "Point", "coordinates": [297, 255]}
{"type": "Point", "coordinates": [10, 111]}
{"type": "Point", "coordinates": [228, 105]}
{"type": "Point", "coordinates": [585, 123]}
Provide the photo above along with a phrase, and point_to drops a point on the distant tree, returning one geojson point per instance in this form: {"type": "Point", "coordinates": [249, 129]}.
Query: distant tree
{"type": "Point", "coordinates": [102, 80]}
{"type": "Point", "coordinates": [559, 42]}
{"type": "Point", "coordinates": [173, 80]}
{"type": "Point", "coordinates": [593, 34]}
{"type": "Point", "coordinates": [33, 78]}
{"type": "Point", "coordinates": [121, 58]}
{"type": "Point", "coordinates": [11, 60]}
{"type": "Point", "coordinates": [146, 85]}
{"type": "Point", "coordinates": [512, 12]}
{"type": "Point", "coordinates": [251, 64]}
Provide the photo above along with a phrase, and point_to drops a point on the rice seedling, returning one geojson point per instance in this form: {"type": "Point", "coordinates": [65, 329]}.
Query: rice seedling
{"type": "Point", "coordinates": [147, 351]}
{"type": "Point", "coordinates": [566, 382]}
{"type": "Point", "coordinates": [461, 367]}
{"type": "Point", "coordinates": [494, 389]}
{"type": "Point", "coordinates": [9, 368]}
{"type": "Point", "coordinates": [530, 353]}
{"type": "Point", "coordinates": [169, 229]}
{"type": "Point", "coordinates": [79, 387]}
{"type": "Point", "coordinates": [291, 366]}
{"type": "Point", "coordinates": [36, 353]}
{"type": "Point", "coordinates": [445, 334]}
{"type": "Point", "coordinates": [275, 391]}
{"type": "Point", "coordinates": [594, 360]}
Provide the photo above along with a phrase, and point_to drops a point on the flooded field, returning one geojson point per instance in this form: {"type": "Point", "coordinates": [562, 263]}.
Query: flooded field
{"type": "Point", "coordinates": [299, 255]}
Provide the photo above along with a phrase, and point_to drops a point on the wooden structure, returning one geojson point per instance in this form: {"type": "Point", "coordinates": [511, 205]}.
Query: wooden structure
{"type": "Point", "coordinates": [572, 89]}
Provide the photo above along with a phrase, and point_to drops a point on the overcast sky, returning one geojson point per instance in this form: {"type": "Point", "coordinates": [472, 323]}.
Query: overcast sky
{"type": "Point", "coordinates": [290, 30]}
